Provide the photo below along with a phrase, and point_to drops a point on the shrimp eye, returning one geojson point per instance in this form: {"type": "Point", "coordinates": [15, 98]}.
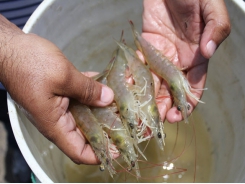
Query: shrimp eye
{"type": "Point", "coordinates": [159, 135]}
{"type": "Point", "coordinates": [107, 161]}
{"type": "Point", "coordinates": [132, 163]}
{"type": "Point", "coordinates": [188, 106]}
{"type": "Point", "coordinates": [102, 167]}
{"type": "Point", "coordinates": [102, 155]}
{"type": "Point", "coordinates": [131, 125]}
{"type": "Point", "coordinates": [178, 108]}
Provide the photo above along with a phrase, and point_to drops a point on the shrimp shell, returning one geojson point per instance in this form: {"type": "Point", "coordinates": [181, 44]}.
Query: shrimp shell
{"type": "Point", "coordinates": [160, 64]}
{"type": "Point", "coordinates": [89, 126]}
{"type": "Point", "coordinates": [114, 127]}
{"type": "Point", "coordinates": [142, 76]}
{"type": "Point", "coordinates": [123, 97]}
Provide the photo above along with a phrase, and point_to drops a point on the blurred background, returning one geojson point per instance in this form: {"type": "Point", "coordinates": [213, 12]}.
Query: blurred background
{"type": "Point", "coordinates": [13, 167]}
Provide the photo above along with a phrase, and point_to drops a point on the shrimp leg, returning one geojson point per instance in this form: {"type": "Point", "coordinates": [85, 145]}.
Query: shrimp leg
{"type": "Point", "coordinates": [161, 65]}
{"type": "Point", "coordinates": [89, 126]}
{"type": "Point", "coordinates": [149, 113]}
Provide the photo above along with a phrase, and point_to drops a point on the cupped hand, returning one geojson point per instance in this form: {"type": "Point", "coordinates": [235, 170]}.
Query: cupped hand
{"type": "Point", "coordinates": [188, 32]}
{"type": "Point", "coordinates": [41, 80]}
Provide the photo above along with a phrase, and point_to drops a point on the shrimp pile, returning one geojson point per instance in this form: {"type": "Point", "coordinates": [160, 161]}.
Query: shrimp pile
{"type": "Point", "coordinates": [179, 85]}
{"type": "Point", "coordinates": [123, 125]}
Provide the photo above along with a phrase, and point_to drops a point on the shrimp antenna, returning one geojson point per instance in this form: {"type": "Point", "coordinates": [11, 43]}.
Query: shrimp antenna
{"type": "Point", "coordinates": [121, 37]}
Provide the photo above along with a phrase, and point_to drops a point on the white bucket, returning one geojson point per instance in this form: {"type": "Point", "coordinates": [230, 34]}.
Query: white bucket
{"type": "Point", "coordinates": [63, 22]}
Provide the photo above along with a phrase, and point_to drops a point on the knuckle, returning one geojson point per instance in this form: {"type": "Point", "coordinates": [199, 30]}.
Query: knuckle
{"type": "Point", "coordinates": [89, 91]}
{"type": "Point", "coordinates": [63, 74]}
{"type": "Point", "coordinates": [224, 28]}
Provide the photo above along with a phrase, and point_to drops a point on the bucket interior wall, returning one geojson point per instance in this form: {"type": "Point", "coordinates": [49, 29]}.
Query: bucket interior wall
{"type": "Point", "coordinates": [99, 22]}
{"type": "Point", "coordinates": [224, 110]}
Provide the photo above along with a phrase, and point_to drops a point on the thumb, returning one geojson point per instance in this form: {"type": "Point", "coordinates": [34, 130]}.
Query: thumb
{"type": "Point", "coordinates": [86, 90]}
{"type": "Point", "coordinates": [217, 26]}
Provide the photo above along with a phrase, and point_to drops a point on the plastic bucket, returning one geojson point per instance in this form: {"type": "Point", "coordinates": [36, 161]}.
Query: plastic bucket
{"type": "Point", "coordinates": [63, 22]}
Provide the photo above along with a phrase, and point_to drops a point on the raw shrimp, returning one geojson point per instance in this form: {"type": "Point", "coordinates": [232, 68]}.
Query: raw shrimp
{"type": "Point", "coordinates": [145, 94]}
{"type": "Point", "coordinates": [93, 132]}
{"type": "Point", "coordinates": [123, 96]}
{"type": "Point", "coordinates": [178, 161]}
{"type": "Point", "coordinates": [113, 125]}
{"type": "Point", "coordinates": [160, 64]}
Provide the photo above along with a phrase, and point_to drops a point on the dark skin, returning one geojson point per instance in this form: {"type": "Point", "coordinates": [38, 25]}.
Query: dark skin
{"type": "Point", "coordinates": [41, 79]}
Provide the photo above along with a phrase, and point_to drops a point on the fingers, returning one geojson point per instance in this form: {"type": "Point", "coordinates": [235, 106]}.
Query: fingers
{"type": "Point", "coordinates": [69, 139]}
{"type": "Point", "coordinates": [217, 27]}
{"type": "Point", "coordinates": [197, 78]}
{"type": "Point", "coordinates": [163, 98]}
{"type": "Point", "coordinates": [163, 107]}
{"type": "Point", "coordinates": [85, 89]}
{"type": "Point", "coordinates": [42, 83]}
{"type": "Point", "coordinates": [57, 124]}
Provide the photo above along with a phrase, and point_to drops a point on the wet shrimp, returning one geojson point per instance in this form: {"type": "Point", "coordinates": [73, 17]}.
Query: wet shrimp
{"type": "Point", "coordinates": [98, 139]}
{"type": "Point", "coordinates": [114, 127]}
{"type": "Point", "coordinates": [179, 85]}
{"type": "Point", "coordinates": [112, 124]}
{"type": "Point", "coordinates": [124, 98]}
{"type": "Point", "coordinates": [145, 93]}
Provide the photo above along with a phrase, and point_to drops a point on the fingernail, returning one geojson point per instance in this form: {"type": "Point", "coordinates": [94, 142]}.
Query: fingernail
{"type": "Point", "coordinates": [106, 95]}
{"type": "Point", "coordinates": [211, 47]}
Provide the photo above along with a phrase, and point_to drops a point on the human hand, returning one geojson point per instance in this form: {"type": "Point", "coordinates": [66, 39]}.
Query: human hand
{"type": "Point", "coordinates": [188, 33]}
{"type": "Point", "coordinates": [41, 80]}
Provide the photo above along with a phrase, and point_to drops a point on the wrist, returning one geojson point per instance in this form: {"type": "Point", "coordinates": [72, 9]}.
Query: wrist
{"type": "Point", "coordinates": [7, 32]}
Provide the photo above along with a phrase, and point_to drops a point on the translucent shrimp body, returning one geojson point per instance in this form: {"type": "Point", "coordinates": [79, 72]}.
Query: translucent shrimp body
{"type": "Point", "coordinates": [123, 96]}
{"type": "Point", "coordinates": [88, 124]}
{"type": "Point", "coordinates": [160, 64]}
{"type": "Point", "coordinates": [112, 124]}
{"type": "Point", "coordinates": [145, 93]}
{"type": "Point", "coordinates": [114, 127]}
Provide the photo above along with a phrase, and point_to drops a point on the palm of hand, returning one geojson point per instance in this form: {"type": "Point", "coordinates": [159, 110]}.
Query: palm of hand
{"type": "Point", "coordinates": [177, 36]}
